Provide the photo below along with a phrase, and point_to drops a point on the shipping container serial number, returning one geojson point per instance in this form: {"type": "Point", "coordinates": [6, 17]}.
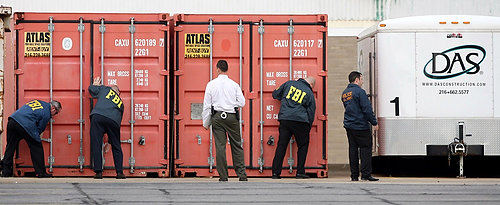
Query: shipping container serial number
{"type": "Point", "coordinates": [453, 92]}
{"type": "Point", "coordinates": [141, 52]}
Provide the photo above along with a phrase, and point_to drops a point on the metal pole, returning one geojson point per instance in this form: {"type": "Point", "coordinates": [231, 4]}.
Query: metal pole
{"type": "Point", "coordinates": [51, 30]}
{"type": "Point", "coordinates": [290, 45]}
{"type": "Point", "coordinates": [132, 120]}
{"type": "Point", "coordinates": [102, 29]}
{"type": "Point", "coordinates": [461, 166]}
{"type": "Point", "coordinates": [241, 29]}
{"type": "Point", "coordinates": [81, 159]}
{"type": "Point", "coordinates": [261, 122]}
{"type": "Point", "coordinates": [211, 158]}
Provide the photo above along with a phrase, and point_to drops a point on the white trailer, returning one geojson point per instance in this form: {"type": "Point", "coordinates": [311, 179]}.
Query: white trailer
{"type": "Point", "coordinates": [432, 79]}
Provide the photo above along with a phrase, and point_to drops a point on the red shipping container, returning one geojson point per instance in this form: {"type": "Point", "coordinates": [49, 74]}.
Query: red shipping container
{"type": "Point", "coordinates": [201, 40]}
{"type": "Point", "coordinates": [69, 47]}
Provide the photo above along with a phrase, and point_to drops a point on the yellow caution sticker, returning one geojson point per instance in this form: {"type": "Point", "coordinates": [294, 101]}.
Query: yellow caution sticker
{"type": "Point", "coordinates": [36, 44]}
{"type": "Point", "coordinates": [197, 45]}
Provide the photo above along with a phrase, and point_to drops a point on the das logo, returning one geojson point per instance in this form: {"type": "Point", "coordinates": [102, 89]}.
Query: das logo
{"type": "Point", "coordinates": [455, 61]}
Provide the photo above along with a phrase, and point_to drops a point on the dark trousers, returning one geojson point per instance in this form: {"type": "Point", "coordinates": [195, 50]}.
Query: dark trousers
{"type": "Point", "coordinates": [222, 129]}
{"type": "Point", "coordinates": [98, 126]}
{"type": "Point", "coordinates": [360, 144]}
{"type": "Point", "coordinates": [301, 131]}
{"type": "Point", "coordinates": [15, 133]}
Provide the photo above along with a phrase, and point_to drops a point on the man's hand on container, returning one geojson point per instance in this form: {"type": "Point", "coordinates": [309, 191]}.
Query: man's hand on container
{"type": "Point", "coordinates": [375, 127]}
{"type": "Point", "coordinates": [97, 81]}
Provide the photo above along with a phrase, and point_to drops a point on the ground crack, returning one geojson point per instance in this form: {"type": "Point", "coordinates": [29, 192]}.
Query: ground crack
{"type": "Point", "coordinates": [90, 199]}
{"type": "Point", "coordinates": [369, 192]}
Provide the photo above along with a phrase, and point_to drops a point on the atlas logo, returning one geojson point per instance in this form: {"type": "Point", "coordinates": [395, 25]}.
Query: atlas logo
{"type": "Point", "coordinates": [452, 63]}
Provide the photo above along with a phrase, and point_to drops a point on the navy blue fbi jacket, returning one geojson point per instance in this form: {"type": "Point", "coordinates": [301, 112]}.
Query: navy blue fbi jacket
{"type": "Point", "coordinates": [297, 101]}
{"type": "Point", "coordinates": [33, 117]}
{"type": "Point", "coordinates": [358, 109]}
{"type": "Point", "coordinates": [109, 104]}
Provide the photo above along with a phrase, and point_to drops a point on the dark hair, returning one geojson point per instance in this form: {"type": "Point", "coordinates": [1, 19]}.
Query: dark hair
{"type": "Point", "coordinates": [56, 104]}
{"type": "Point", "coordinates": [353, 75]}
{"type": "Point", "coordinates": [222, 65]}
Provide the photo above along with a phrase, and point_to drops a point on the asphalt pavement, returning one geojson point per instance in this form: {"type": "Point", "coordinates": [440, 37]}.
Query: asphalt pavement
{"type": "Point", "coordinates": [340, 190]}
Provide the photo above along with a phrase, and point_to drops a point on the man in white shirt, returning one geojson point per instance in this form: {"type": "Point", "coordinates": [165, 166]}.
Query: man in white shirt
{"type": "Point", "coordinates": [222, 98]}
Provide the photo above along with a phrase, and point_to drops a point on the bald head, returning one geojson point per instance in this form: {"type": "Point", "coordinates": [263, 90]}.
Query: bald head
{"type": "Point", "coordinates": [311, 81]}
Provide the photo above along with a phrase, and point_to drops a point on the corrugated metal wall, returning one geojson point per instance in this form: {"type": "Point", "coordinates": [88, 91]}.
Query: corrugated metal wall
{"type": "Point", "coordinates": [336, 9]}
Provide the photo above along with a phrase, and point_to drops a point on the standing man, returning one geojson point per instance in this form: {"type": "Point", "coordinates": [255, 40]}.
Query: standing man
{"type": "Point", "coordinates": [296, 117]}
{"type": "Point", "coordinates": [28, 123]}
{"type": "Point", "coordinates": [222, 98]}
{"type": "Point", "coordinates": [358, 116]}
{"type": "Point", "coordinates": [106, 117]}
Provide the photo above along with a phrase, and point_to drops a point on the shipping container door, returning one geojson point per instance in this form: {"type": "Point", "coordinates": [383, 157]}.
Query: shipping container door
{"type": "Point", "coordinates": [64, 154]}
{"type": "Point", "coordinates": [135, 59]}
{"type": "Point", "coordinates": [308, 59]}
{"type": "Point", "coordinates": [195, 150]}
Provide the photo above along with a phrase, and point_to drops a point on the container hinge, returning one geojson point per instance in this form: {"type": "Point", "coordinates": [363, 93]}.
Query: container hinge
{"type": "Point", "coordinates": [18, 27]}
{"type": "Point", "coordinates": [322, 117]}
{"type": "Point", "coordinates": [322, 73]}
{"type": "Point", "coordinates": [164, 117]}
{"type": "Point", "coordinates": [164, 72]}
{"type": "Point", "coordinates": [322, 29]}
{"type": "Point", "coordinates": [178, 117]}
{"type": "Point", "coordinates": [164, 28]}
{"type": "Point", "coordinates": [178, 28]}
{"type": "Point", "coordinates": [19, 71]}
{"type": "Point", "coordinates": [252, 95]}
{"type": "Point", "coordinates": [163, 17]}
{"type": "Point", "coordinates": [322, 18]}
{"type": "Point", "coordinates": [179, 72]}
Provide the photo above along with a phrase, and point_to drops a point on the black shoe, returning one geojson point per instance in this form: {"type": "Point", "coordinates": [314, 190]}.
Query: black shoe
{"type": "Point", "coordinates": [223, 179]}
{"type": "Point", "coordinates": [354, 179]}
{"type": "Point", "coordinates": [302, 176]}
{"type": "Point", "coordinates": [6, 174]}
{"type": "Point", "coordinates": [44, 175]}
{"type": "Point", "coordinates": [370, 178]}
{"type": "Point", "coordinates": [243, 179]}
{"type": "Point", "coordinates": [98, 175]}
{"type": "Point", "coordinates": [275, 176]}
{"type": "Point", "coordinates": [120, 176]}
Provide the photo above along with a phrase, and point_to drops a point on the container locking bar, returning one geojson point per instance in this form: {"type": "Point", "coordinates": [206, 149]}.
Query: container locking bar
{"type": "Point", "coordinates": [261, 122]}
{"type": "Point", "coordinates": [241, 29]}
{"type": "Point", "coordinates": [132, 120]}
{"type": "Point", "coordinates": [51, 29]}
{"type": "Point", "coordinates": [102, 29]}
{"type": "Point", "coordinates": [81, 158]}
{"type": "Point", "coordinates": [211, 31]}
{"type": "Point", "coordinates": [291, 30]}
